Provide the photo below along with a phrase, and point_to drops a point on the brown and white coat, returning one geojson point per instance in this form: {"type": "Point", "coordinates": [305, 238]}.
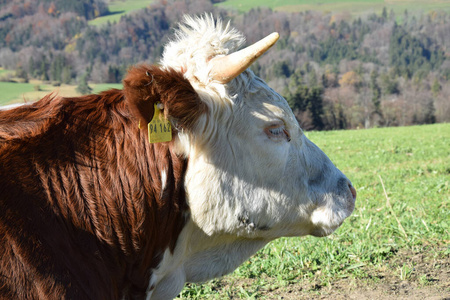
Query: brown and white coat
{"type": "Point", "coordinates": [89, 209]}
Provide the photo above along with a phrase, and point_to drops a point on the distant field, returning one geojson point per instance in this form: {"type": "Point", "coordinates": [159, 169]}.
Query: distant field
{"type": "Point", "coordinates": [388, 249]}
{"type": "Point", "coordinates": [119, 8]}
{"type": "Point", "coordinates": [3, 71]}
{"type": "Point", "coordinates": [20, 92]}
{"type": "Point", "coordinates": [355, 7]}
{"type": "Point", "coordinates": [11, 92]}
{"type": "Point", "coordinates": [98, 87]}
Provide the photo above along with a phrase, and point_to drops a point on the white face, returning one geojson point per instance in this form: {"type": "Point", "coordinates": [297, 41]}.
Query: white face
{"type": "Point", "coordinates": [255, 174]}
{"type": "Point", "coordinates": [252, 175]}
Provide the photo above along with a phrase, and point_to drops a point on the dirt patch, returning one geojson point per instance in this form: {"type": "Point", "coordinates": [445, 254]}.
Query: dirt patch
{"type": "Point", "coordinates": [409, 275]}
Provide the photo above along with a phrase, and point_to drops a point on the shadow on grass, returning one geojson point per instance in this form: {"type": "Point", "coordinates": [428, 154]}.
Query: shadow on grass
{"type": "Point", "coordinates": [118, 12]}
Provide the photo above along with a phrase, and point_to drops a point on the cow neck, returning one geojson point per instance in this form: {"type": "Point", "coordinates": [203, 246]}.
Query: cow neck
{"type": "Point", "coordinates": [98, 174]}
{"type": "Point", "coordinates": [140, 184]}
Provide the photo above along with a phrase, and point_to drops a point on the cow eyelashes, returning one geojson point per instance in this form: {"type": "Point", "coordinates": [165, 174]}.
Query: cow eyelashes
{"type": "Point", "coordinates": [277, 132]}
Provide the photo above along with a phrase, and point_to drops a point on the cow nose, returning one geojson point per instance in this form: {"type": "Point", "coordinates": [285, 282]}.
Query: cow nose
{"type": "Point", "coordinates": [352, 190]}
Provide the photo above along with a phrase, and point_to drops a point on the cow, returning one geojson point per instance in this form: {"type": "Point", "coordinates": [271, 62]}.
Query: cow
{"type": "Point", "coordinates": [91, 209]}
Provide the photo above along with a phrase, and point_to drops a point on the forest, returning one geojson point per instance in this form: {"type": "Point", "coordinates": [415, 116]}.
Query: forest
{"type": "Point", "coordinates": [336, 71]}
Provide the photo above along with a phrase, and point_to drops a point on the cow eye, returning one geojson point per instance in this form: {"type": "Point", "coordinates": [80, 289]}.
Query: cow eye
{"type": "Point", "coordinates": [278, 132]}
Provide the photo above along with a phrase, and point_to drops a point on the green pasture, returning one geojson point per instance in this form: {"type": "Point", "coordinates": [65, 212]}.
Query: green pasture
{"type": "Point", "coordinates": [119, 8]}
{"type": "Point", "coordinates": [3, 71]}
{"type": "Point", "coordinates": [98, 87]}
{"type": "Point", "coordinates": [355, 7]}
{"type": "Point", "coordinates": [13, 92]}
{"type": "Point", "coordinates": [413, 164]}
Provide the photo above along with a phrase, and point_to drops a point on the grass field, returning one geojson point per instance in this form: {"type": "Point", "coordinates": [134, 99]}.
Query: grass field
{"type": "Point", "coordinates": [389, 246]}
{"type": "Point", "coordinates": [355, 7]}
{"type": "Point", "coordinates": [10, 92]}
{"type": "Point", "coordinates": [118, 8]}
{"type": "Point", "coordinates": [3, 72]}
{"type": "Point", "coordinates": [19, 92]}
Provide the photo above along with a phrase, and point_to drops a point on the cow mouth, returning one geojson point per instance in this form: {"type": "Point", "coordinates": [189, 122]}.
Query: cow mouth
{"type": "Point", "coordinates": [325, 221]}
{"type": "Point", "coordinates": [323, 232]}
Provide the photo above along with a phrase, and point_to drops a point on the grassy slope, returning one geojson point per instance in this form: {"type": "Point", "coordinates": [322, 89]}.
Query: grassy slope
{"type": "Point", "coordinates": [3, 71]}
{"type": "Point", "coordinates": [355, 7]}
{"type": "Point", "coordinates": [118, 8]}
{"type": "Point", "coordinates": [414, 164]}
{"type": "Point", "coordinates": [20, 92]}
{"type": "Point", "coordinates": [11, 92]}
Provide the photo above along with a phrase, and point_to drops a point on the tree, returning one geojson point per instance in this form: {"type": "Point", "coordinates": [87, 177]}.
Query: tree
{"type": "Point", "coordinates": [281, 69]}
{"type": "Point", "coordinates": [409, 54]}
{"type": "Point", "coordinates": [436, 87]}
{"type": "Point", "coordinates": [31, 66]}
{"type": "Point", "coordinates": [86, 8]}
{"type": "Point", "coordinates": [115, 74]}
{"type": "Point", "coordinates": [66, 75]}
{"type": "Point", "coordinates": [56, 68]}
{"type": "Point", "coordinates": [389, 83]}
{"type": "Point", "coordinates": [376, 92]}
{"type": "Point", "coordinates": [52, 9]}
{"type": "Point", "coordinates": [384, 14]}
{"type": "Point", "coordinates": [43, 70]}
{"type": "Point", "coordinates": [83, 88]}
{"type": "Point", "coordinates": [21, 73]}
{"type": "Point", "coordinates": [310, 101]}
{"type": "Point", "coordinates": [350, 78]}
{"type": "Point", "coordinates": [392, 15]}
{"type": "Point", "coordinates": [429, 116]}
{"type": "Point", "coordinates": [299, 100]}
{"type": "Point", "coordinates": [315, 101]}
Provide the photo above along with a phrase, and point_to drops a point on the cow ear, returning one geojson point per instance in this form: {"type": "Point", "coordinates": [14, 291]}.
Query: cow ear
{"type": "Point", "coordinates": [146, 85]}
{"type": "Point", "coordinates": [140, 94]}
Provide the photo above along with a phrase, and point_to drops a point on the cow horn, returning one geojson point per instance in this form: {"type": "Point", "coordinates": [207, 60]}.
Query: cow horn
{"type": "Point", "coordinates": [226, 68]}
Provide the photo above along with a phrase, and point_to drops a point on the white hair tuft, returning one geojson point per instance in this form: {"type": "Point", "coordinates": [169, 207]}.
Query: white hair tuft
{"type": "Point", "coordinates": [197, 40]}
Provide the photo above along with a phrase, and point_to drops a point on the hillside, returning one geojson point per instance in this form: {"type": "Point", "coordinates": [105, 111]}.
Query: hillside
{"type": "Point", "coordinates": [357, 8]}
{"type": "Point", "coordinates": [390, 65]}
{"type": "Point", "coordinates": [117, 9]}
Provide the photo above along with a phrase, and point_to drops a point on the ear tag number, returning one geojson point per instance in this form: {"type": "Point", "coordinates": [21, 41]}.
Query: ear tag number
{"type": "Point", "coordinates": [159, 128]}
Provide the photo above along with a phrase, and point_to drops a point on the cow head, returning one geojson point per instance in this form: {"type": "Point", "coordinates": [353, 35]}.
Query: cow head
{"type": "Point", "coordinates": [252, 172]}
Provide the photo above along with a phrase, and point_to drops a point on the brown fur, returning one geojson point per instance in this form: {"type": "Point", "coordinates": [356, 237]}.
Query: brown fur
{"type": "Point", "coordinates": [82, 213]}
{"type": "Point", "coordinates": [144, 85]}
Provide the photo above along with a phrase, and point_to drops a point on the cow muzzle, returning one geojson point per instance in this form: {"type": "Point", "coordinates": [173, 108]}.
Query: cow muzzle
{"type": "Point", "coordinates": [352, 190]}
{"type": "Point", "coordinates": [335, 207]}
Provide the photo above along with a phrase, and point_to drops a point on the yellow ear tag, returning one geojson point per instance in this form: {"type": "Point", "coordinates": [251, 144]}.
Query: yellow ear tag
{"type": "Point", "coordinates": [159, 128]}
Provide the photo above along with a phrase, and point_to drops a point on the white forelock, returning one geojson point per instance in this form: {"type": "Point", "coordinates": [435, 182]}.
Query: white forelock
{"type": "Point", "coordinates": [197, 40]}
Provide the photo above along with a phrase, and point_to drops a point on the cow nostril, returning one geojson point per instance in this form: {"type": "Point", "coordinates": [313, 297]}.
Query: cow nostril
{"type": "Point", "coordinates": [352, 190]}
